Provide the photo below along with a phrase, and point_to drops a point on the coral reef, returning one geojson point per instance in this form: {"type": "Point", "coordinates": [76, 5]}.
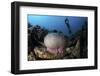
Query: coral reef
{"type": "Point", "coordinates": [55, 43]}
{"type": "Point", "coordinates": [44, 44]}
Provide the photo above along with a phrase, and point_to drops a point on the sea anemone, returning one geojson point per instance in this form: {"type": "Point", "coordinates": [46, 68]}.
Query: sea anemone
{"type": "Point", "coordinates": [55, 43]}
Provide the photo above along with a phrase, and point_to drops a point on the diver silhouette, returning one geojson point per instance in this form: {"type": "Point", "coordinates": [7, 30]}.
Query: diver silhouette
{"type": "Point", "coordinates": [68, 25]}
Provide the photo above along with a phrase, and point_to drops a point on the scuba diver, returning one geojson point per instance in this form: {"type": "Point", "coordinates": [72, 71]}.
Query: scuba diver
{"type": "Point", "coordinates": [68, 25]}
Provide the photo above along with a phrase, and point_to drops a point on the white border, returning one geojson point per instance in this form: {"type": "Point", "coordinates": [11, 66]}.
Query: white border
{"type": "Point", "coordinates": [26, 65]}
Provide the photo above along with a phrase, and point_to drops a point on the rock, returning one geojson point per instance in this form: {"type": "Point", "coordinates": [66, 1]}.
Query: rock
{"type": "Point", "coordinates": [42, 53]}
{"type": "Point", "coordinates": [31, 57]}
{"type": "Point", "coordinates": [73, 51]}
{"type": "Point", "coordinates": [76, 50]}
{"type": "Point", "coordinates": [68, 50]}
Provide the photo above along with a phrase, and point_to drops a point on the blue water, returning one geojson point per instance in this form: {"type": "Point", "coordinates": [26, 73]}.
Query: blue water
{"type": "Point", "coordinates": [58, 22]}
